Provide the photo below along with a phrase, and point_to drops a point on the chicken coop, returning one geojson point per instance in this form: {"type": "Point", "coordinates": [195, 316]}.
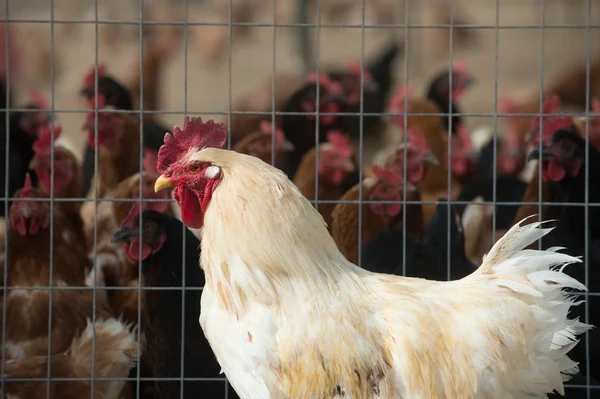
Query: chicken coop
{"type": "Point", "coordinates": [420, 131]}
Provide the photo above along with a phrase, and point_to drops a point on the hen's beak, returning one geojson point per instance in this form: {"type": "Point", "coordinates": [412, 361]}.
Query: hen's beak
{"type": "Point", "coordinates": [472, 155]}
{"type": "Point", "coordinates": [87, 91]}
{"type": "Point", "coordinates": [34, 164]}
{"type": "Point", "coordinates": [469, 80]}
{"type": "Point", "coordinates": [334, 97]}
{"type": "Point", "coordinates": [88, 125]}
{"type": "Point", "coordinates": [411, 188]}
{"type": "Point", "coordinates": [348, 166]}
{"type": "Point", "coordinates": [531, 134]}
{"type": "Point", "coordinates": [286, 146]}
{"type": "Point", "coordinates": [123, 234]}
{"type": "Point", "coordinates": [431, 158]}
{"type": "Point", "coordinates": [162, 182]}
{"type": "Point", "coordinates": [535, 154]}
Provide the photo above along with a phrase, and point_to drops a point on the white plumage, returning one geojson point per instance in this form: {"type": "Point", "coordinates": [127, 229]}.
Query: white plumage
{"type": "Point", "coordinates": [289, 317]}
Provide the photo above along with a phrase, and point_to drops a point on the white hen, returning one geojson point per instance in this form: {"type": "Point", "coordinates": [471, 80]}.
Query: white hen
{"type": "Point", "coordinates": [289, 317]}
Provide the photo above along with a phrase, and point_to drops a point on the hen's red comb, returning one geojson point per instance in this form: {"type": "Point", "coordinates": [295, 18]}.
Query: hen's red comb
{"type": "Point", "coordinates": [39, 100]}
{"type": "Point", "coordinates": [506, 104]}
{"type": "Point", "coordinates": [195, 134]}
{"type": "Point", "coordinates": [407, 91]}
{"type": "Point", "coordinates": [596, 105]}
{"type": "Point", "coordinates": [416, 138]}
{"type": "Point", "coordinates": [43, 145]}
{"type": "Point", "coordinates": [386, 174]}
{"type": "Point", "coordinates": [355, 69]}
{"type": "Point", "coordinates": [132, 218]}
{"type": "Point", "coordinates": [341, 142]}
{"type": "Point", "coordinates": [552, 104]}
{"type": "Point", "coordinates": [551, 123]}
{"type": "Point", "coordinates": [326, 81]}
{"type": "Point", "coordinates": [90, 77]}
{"type": "Point", "coordinates": [98, 102]}
{"type": "Point", "coordinates": [27, 190]}
{"type": "Point", "coordinates": [165, 47]}
{"type": "Point", "coordinates": [398, 98]}
{"type": "Point", "coordinates": [460, 67]}
{"type": "Point", "coordinates": [266, 127]}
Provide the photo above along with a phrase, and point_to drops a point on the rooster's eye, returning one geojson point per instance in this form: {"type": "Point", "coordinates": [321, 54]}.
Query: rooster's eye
{"type": "Point", "coordinates": [147, 226]}
{"type": "Point", "coordinates": [196, 168]}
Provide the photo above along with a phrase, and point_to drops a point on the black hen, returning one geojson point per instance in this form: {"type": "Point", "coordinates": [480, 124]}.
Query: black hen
{"type": "Point", "coordinates": [300, 130]}
{"type": "Point", "coordinates": [23, 127]}
{"type": "Point", "coordinates": [439, 93]}
{"type": "Point", "coordinates": [378, 82]}
{"type": "Point", "coordinates": [168, 265]}
{"type": "Point", "coordinates": [563, 169]}
{"type": "Point", "coordinates": [118, 96]}
{"type": "Point", "coordinates": [436, 237]}
{"type": "Point", "coordinates": [385, 254]}
{"type": "Point", "coordinates": [426, 258]}
{"type": "Point", "coordinates": [508, 189]}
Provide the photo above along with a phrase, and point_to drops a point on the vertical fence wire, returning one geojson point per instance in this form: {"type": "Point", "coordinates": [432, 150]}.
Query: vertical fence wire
{"type": "Point", "coordinates": [183, 228]}
{"type": "Point", "coordinates": [52, 230]}
{"type": "Point", "coordinates": [451, 136]}
{"type": "Point", "coordinates": [586, 207]}
{"type": "Point", "coordinates": [405, 138]}
{"type": "Point", "coordinates": [140, 185]}
{"type": "Point", "coordinates": [495, 119]}
{"type": "Point", "coordinates": [96, 192]}
{"type": "Point", "coordinates": [229, 97]}
{"type": "Point", "coordinates": [317, 57]}
{"type": "Point", "coordinates": [6, 192]}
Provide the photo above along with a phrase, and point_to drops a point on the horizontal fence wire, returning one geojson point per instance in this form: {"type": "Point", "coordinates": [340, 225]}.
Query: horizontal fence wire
{"type": "Point", "coordinates": [404, 31]}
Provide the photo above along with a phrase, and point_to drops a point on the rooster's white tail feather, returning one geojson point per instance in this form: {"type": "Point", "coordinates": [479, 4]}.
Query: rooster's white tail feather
{"type": "Point", "coordinates": [537, 278]}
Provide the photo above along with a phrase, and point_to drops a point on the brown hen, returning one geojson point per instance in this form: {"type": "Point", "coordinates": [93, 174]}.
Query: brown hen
{"type": "Point", "coordinates": [106, 349]}
{"type": "Point", "coordinates": [335, 171]}
{"type": "Point", "coordinates": [30, 271]}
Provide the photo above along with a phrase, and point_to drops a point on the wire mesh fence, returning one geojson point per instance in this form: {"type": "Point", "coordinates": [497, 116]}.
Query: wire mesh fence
{"type": "Point", "coordinates": [332, 86]}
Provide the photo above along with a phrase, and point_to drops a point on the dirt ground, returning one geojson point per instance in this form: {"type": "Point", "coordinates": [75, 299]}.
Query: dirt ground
{"type": "Point", "coordinates": [505, 59]}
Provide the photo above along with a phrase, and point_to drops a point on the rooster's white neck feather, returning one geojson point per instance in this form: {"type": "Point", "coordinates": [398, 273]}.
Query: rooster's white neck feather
{"type": "Point", "coordinates": [283, 216]}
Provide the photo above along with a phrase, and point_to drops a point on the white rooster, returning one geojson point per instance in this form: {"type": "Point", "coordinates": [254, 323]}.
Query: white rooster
{"type": "Point", "coordinates": [289, 317]}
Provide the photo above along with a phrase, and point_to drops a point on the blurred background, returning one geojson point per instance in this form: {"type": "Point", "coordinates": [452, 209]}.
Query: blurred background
{"type": "Point", "coordinates": [505, 50]}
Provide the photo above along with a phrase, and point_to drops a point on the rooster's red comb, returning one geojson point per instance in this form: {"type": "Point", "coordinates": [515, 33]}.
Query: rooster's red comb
{"type": "Point", "coordinates": [341, 142]}
{"type": "Point", "coordinates": [386, 175]}
{"type": "Point", "coordinates": [43, 145]}
{"type": "Point", "coordinates": [195, 134]}
{"type": "Point", "coordinates": [39, 100]}
{"type": "Point", "coordinates": [90, 76]}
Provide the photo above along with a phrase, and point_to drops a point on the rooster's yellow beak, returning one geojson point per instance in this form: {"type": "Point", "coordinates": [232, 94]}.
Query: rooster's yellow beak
{"type": "Point", "coordinates": [161, 183]}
